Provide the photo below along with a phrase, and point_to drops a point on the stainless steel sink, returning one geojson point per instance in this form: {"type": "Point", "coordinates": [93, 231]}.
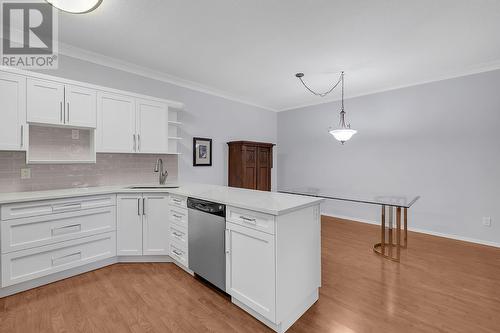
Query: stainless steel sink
{"type": "Point", "coordinates": [152, 187]}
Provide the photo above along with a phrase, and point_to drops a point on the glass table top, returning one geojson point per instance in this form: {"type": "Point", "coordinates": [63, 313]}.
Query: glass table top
{"type": "Point", "coordinates": [404, 201]}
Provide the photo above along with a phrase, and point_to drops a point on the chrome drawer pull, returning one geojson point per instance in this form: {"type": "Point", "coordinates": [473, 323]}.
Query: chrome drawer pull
{"type": "Point", "coordinates": [66, 229]}
{"type": "Point", "coordinates": [177, 216]}
{"type": "Point", "coordinates": [177, 200]}
{"type": "Point", "coordinates": [68, 256]}
{"type": "Point", "coordinates": [67, 207]}
{"type": "Point", "coordinates": [177, 234]}
{"type": "Point", "coordinates": [177, 252]}
{"type": "Point", "coordinates": [249, 220]}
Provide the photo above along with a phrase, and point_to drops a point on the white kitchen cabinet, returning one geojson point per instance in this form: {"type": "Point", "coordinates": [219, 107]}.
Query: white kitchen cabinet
{"type": "Point", "coordinates": [155, 225]}
{"type": "Point", "coordinates": [152, 126]}
{"type": "Point", "coordinates": [129, 224]}
{"type": "Point", "coordinates": [251, 269]}
{"type": "Point", "coordinates": [45, 102]}
{"type": "Point", "coordinates": [81, 104]}
{"type": "Point", "coordinates": [142, 224]}
{"type": "Point", "coordinates": [13, 111]}
{"type": "Point", "coordinates": [54, 103]}
{"type": "Point", "coordinates": [115, 123]}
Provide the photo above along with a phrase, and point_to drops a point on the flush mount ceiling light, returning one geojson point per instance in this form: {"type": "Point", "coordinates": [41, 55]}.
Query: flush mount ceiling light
{"type": "Point", "coordinates": [75, 6]}
{"type": "Point", "coordinates": [344, 132]}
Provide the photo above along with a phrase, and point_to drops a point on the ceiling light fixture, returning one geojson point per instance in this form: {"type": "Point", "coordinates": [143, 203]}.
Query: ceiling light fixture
{"type": "Point", "coordinates": [75, 6]}
{"type": "Point", "coordinates": [345, 132]}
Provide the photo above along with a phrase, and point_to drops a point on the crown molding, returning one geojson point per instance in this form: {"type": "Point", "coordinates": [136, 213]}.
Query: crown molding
{"type": "Point", "coordinates": [100, 59]}
{"type": "Point", "coordinates": [477, 69]}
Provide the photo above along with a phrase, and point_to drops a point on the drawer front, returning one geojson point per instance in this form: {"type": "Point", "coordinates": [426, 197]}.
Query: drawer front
{"type": "Point", "coordinates": [47, 207]}
{"type": "Point", "coordinates": [178, 201]}
{"type": "Point", "coordinates": [34, 263]}
{"type": "Point", "coordinates": [178, 216]}
{"type": "Point", "coordinates": [20, 234]}
{"type": "Point", "coordinates": [255, 220]}
{"type": "Point", "coordinates": [179, 253]}
{"type": "Point", "coordinates": [179, 234]}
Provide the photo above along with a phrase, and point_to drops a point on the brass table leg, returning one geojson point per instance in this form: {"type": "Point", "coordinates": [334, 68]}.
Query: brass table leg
{"type": "Point", "coordinates": [379, 248]}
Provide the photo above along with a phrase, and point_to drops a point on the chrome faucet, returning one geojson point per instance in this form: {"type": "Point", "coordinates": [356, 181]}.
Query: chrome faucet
{"type": "Point", "coordinates": [159, 168]}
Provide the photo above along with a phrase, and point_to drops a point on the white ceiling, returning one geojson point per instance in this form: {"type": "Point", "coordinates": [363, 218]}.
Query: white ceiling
{"type": "Point", "coordinates": [251, 49]}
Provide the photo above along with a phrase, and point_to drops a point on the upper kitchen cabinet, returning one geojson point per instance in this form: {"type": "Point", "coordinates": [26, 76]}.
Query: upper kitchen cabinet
{"type": "Point", "coordinates": [13, 109]}
{"type": "Point", "coordinates": [81, 106]}
{"type": "Point", "coordinates": [54, 103]}
{"type": "Point", "coordinates": [152, 126]}
{"type": "Point", "coordinates": [116, 123]}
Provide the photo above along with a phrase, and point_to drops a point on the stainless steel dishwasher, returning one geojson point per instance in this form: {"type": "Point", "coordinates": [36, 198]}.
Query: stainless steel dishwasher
{"type": "Point", "coordinates": [206, 250]}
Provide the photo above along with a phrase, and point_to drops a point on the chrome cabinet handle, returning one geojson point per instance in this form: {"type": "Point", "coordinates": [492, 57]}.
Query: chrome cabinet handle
{"type": "Point", "coordinates": [68, 110]}
{"type": "Point", "coordinates": [177, 234]}
{"type": "Point", "coordinates": [79, 254]}
{"type": "Point", "coordinates": [249, 220]}
{"type": "Point", "coordinates": [138, 142]}
{"type": "Point", "coordinates": [139, 206]}
{"type": "Point", "coordinates": [176, 200]}
{"type": "Point", "coordinates": [177, 252]}
{"type": "Point", "coordinates": [67, 207]}
{"type": "Point", "coordinates": [22, 136]}
{"type": "Point", "coordinates": [143, 206]}
{"type": "Point", "coordinates": [176, 216]}
{"type": "Point", "coordinates": [135, 145]}
{"type": "Point", "coordinates": [61, 112]}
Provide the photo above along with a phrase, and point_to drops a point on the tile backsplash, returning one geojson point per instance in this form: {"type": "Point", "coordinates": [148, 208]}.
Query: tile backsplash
{"type": "Point", "coordinates": [110, 169]}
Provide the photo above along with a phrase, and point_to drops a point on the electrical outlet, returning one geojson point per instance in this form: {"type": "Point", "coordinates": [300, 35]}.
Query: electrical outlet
{"type": "Point", "coordinates": [487, 221]}
{"type": "Point", "coordinates": [25, 173]}
{"type": "Point", "coordinates": [75, 134]}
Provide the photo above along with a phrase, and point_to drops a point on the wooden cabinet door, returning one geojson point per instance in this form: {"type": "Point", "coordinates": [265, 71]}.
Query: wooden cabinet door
{"type": "Point", "coordinates": [152, 127]}
{"type": "Point", "coordinates": [45, 102]}
{"type": "Point", "coordinates": [264, 157]}
{"type": "Point", "coordinates": [13, 111]}
{"type": "Point", "coordinates": [129, 225]}
{"type": "Point", "coordinates": [250, 269]}
{"type": "Point", "coordinates": [81, 104]}
{"type": "Point", "coordinates": [155, 225]}
{"type": "Point", "coordinates": [249, 178]}
{"type": "Point", "coordinates": [115, 123]}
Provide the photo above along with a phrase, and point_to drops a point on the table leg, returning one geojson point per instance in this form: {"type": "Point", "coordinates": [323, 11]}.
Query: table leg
{"type": "Point", "coordinates": [398, 233]}
{"type": "Point", "coordinates": [391, 221]}
{"type": "Point", "coordinates": [405, 245]}
{"type": "Point", "coordinates": [382, 235]}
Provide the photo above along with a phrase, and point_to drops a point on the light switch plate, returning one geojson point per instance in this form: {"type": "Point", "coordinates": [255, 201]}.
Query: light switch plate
{"type": "Point", "coordinates": [75, 134]}
{"type": "Point", "coordinates": [25, 173]}
{"type": "Point", "coordinates": [487, 221]}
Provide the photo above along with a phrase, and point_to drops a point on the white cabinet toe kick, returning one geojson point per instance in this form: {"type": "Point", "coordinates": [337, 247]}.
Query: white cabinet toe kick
{"type": "Point", "coordinates": [273, 262]}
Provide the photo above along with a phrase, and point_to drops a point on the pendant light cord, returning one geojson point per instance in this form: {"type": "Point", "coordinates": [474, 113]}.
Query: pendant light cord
{"type": "Point", "coordinates": [341, 79]}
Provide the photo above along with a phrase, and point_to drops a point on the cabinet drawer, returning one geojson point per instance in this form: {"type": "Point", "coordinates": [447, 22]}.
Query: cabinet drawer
{"type": "Point", "coordinates": [251, 219]}
{"type": "Point", "coordinates": [179, 234]}
{"type": "Point", "coordinates": [33, 263]}
{"type": "Point", "coordinates": [20, 234]}
{"type": "Point", "coordinates": [178, 216]}
{"type": "Point", "coordinates": [179, 253]}
{"type": "Point", "coordinates": [178, 201]}
{"type": "Point", "coordinates": [47, 207]}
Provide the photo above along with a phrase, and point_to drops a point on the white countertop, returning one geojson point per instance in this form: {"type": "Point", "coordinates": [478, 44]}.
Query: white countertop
{"type": "Point", "coordinates": [266, 202]}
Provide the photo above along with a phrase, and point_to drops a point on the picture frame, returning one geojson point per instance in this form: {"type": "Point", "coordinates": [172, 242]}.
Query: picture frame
{"type": "Point", "coordinates": [202, 152]}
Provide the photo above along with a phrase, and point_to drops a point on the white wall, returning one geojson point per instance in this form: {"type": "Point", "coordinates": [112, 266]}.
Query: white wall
{"type": "Point", "coordinates": [440, 140]}
{"type": "Point", "coordinates": [205, 116]}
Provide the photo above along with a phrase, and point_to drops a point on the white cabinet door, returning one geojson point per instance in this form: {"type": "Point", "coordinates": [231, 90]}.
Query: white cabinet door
{"type": "Point", "coordinates": [152, 127]}
{"type": "Point", "coordinates": [155, 225]}
{"type": "Point", "coordinates": [115, 123]}
{"type": "Point", "coordinates": [45, 102]}
{"type": "Point", "coordinates": [129, 225]}
{"type": "Point", "coordinates": [251, 269]}
{"type": "Point", "coordinates": [13, 112]}
{"type": "Point", "coordinates": [81, 104]}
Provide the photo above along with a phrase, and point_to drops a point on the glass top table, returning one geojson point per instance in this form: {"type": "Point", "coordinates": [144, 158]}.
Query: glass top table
{"type": "Point", "coordinates": [393, 208]}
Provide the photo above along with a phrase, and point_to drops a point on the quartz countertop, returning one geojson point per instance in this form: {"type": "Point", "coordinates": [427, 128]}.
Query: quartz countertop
{"type": "Point", "coordinates": [266, 202]}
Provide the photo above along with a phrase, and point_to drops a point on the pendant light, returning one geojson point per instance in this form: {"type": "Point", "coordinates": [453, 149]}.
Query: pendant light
{"type": "Point", "coordinates": [75, 6]}
{"type": "Point", "coordinates": [344, 132]}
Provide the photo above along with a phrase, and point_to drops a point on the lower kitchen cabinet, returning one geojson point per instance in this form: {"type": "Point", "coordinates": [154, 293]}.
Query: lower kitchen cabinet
{"type": "Point", "coordinates": [251, 268]}
{"type": "Point", "coordinates": [142, 224]}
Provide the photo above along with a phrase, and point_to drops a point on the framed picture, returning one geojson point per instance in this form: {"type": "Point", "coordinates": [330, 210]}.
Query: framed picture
{"type": "Point", "coordinates": [202, 152]}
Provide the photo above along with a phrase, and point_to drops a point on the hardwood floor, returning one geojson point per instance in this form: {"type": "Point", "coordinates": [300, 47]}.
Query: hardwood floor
{"type": "Point", "coordinates": [440, 285]}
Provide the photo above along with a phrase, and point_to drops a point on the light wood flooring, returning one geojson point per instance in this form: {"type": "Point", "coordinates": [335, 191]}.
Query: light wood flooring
{"type": "Point", "coordinates": [441, 285]}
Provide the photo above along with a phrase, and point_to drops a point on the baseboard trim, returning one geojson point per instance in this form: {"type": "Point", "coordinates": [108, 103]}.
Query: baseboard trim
{"type": "Point", "coordinates": [422, 231]}
{"type": "Point", "coordinates": [143, 259]}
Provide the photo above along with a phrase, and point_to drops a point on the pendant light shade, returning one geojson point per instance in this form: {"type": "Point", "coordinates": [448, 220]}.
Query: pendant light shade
{"type": "Point", "coordinates": [75, 6]}
{"type": "Point", "coordinates": [343, 134]}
